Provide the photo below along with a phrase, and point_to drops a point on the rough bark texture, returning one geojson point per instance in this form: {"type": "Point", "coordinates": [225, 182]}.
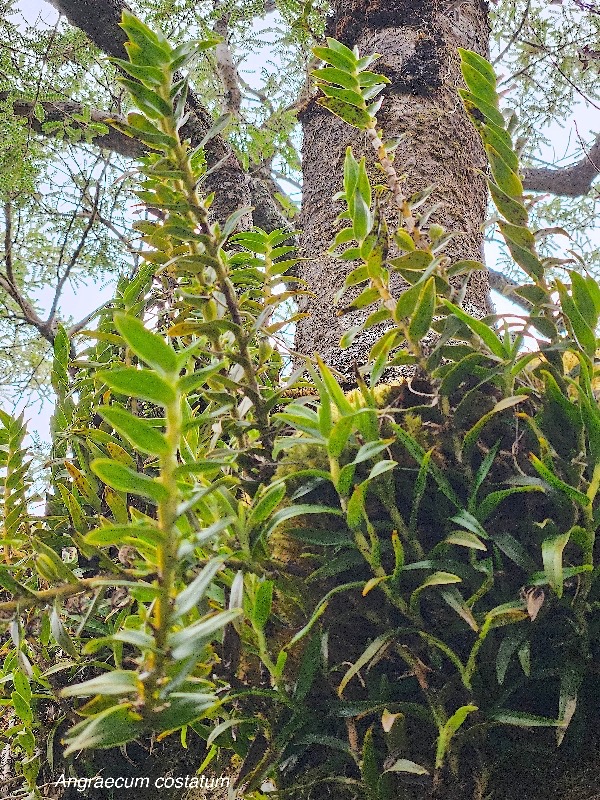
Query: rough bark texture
{"type": "Point", "coordinates": [418, 41]}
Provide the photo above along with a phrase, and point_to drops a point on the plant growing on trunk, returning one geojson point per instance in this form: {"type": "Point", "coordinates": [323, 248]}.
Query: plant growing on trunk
{"type": "Point", "coordinates": [357, 593]}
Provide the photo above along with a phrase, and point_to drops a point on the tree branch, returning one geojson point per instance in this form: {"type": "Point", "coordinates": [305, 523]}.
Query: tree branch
{"type": "Point", "coordinates": [572, 181]}
{"type": "Point", "coordinates": [79, 248]}
{"type": "Point", "coordinates": [226, 68]}
{"type": "Point", "coordinates": [505, 286]}
{"type": "Point", "coordinates": [63, 111]}
{"type": "Point", "coordinates": [8, 283]}
{"type": "Point", "coordinates": [100, 21]}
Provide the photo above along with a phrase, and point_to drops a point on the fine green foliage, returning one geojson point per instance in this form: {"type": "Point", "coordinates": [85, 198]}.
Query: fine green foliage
{"type": "Point", "coordinates": [356, 593]}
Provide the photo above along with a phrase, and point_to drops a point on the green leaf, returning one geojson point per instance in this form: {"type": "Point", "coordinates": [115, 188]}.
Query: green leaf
{"type": "Point", "coordinates": [465, 539]}
{"type": "Point", "coordinates": [148, 101]}
{"type": "Point", "coordinates": [479, 63]}
{"type": "Point", "coordinates": [364, 184]}
{"type": "Point", "coordinates": [404, 765]}
{"type": "Point", "coordinates": [499, 139]}
{"type": "Point", "coordinates": [371, 78]}
{"type": "Point", "coordinates": [333, 388]}
{"type": "Point", "coordinates": [454, 599]}
{"type": "Point", "coordinates": [113, 727]}
{"type": "Point", "coordinates": [226, 725]}
{"type": "Point", "coordinates": [136, 430]}
{"type": "Point", "coordinates": [149, 76]}
{"type": "Point", "coordinates": [342, 61]}
{"type": "Point", "coordinates": [505, 177]}
{"type": "Point", "coordinates": [470, 438]}
{"type": "Point", "coordinates": [192, 594]}
{"type": "Point", "coordinates": [419, 454]}
{"type": "Point", "coordinates": [556, 483]}
{"type": "Point", "coordinates": [448, 731]}
{"type": "Point", "coordinates": [439, 578]}
{"type": "Point", "coordinates": [14, 587]}
{"type": "Point", "coordinates": [473, 103]}
{"type": "Point", "coordinates": [485, 333]}
{"type": "Point", "coordinates": [415, 260]}
{"type": "Point", "coordinates": [385, 465]}
{"type": "Point", "coordinates": [583, 333]}
{"type": "Point", "coordinates": [470, 523]}
{"type": "Point", "coordinates": [150, 347]}
{"type": "Point", "coordinates": [525, 257]}
{"type": "Point", "coordinates": [346, 95]}
{"type": "Point", "coordinates": [182, 709]}
{"type": "Point", "coordinates": [353, 116]}
{"type": "Point", "coordinates": [334, 75]}
{"type": "Point", "coordinates": [590, 414]}
{"type": "Point", "coordinates": [508, 647]}
{"type": "Point", "coordinates": [369, 767]}
{"type": "Point", "coordinates": [144, 37]}
{"type": "Point", "coordinates": [350, 173]}
{"type": "Point", "coordinates": [586, 296]}
{"type": "Point", "coordinates": [309, 666]}
{"type": "Point", "coordinates": [511, 209]}
{"type": "Point", "coordinates": [366, 298]}
{"type": "Point", "coordinates": [371, 450]}
{"type": "Point", "coordinates": [346, 51]}
{"type": "Point", "coordinates": [233, 219]}
{"type": "Point", "coordinates": [114, 535]}
{"type": "Point", "coordinates": [142, 129]}
{"type": "Point", "coordinates": [22, 708]}
{"type": "Point", "coordinates": [191, 640]}
{"type": "Point", "coordinates": [339, 435]}
{"type": "Point", "coordinates": [22, 685]}
{"type": "Point", "coordinates": [361, 218]}
{"type": "Point", "coordinates": [83, 485]}
{"type": "Point", "coordinates": [141, 383]}
{"type": "Point", "coordinates": [489, 503]}
{"type": "Point", "coordinates": [265, 506]}
{"type": "Point", "coordinates": [127, 480]}
{"type": "Point", "coordinates": [406, 304]}
{"type": "Point", "coordinates": [297, 511]}
{"type": "Point", "coordinates": [61, 637]}
{"type": "Point", "coordinates": [137, 638]}
{"type": "Point", "coordinates": [552, 553]}
{"type": "Point", "coordinates": [570, 683]}
{"type": "Point", "coordinates": [514, 550]}
{"type": "Point", "coordinates": [355, 511]}
{"type": "Point", "coordinates": [481, 85]}
{"type": "Point", "coordinates": [372, 650]}
{"type": "Point", "coordinates": [117, 682]}
{"type": "Point", "coordinates": [422, 317]}
{"type": "Point", "coordinates": [61, 570]}
{"type": "Point", "coordinates": [189, 383]}
{"type": "Point", "coordinates": [521, 719]}
{"type": "Point", "coordinates": [405, 242]}
{"type": "Point", "coordinates": [218, 127]}
{"type": "Point", "coordinates": [262, 605]}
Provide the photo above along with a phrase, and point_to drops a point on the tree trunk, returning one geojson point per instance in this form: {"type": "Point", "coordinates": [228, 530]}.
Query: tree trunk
{"type": "Point", "coordinates": [418, 40]}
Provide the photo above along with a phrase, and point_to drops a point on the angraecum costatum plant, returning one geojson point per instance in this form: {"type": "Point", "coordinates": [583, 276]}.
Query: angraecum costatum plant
{"type": "Point", "coordinates": [367, 594]}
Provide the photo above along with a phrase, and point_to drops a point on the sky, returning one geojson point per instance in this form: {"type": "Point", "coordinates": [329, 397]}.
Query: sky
{"type": "Point", "coordinates": [79, 302]}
